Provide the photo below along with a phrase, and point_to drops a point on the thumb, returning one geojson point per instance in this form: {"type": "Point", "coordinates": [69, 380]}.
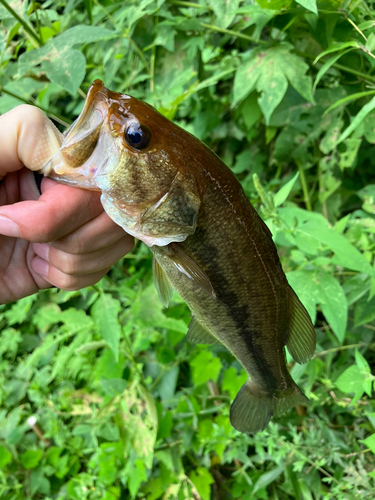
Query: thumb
{"type": "Point", "coordinates": [28, 138]}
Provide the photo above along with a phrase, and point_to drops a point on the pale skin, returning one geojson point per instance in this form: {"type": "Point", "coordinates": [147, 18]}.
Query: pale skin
{"type": "Point", "coordinates": [61, 238]}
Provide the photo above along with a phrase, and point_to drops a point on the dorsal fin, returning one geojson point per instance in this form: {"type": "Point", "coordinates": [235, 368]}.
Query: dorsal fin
{"type": "Point", "coordinates": [301, 334]}
{"type": "Point", "coordinates": [198, 334]}
{"type": "Point", "coordinates": [161, 283]}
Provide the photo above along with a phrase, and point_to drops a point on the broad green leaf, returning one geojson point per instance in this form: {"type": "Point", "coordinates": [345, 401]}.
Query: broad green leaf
{"type": "Point", "coordinates": [283, 193]}
{"type": "Point", "coordinates": [333, 302]}
{"type": "Point", "coordinates": [267, 478]}
{"type": "Point", "coordinates": [66, 67]}
{"type": "Point", "coordinates": [258, 16]}
{"type": "Point", "coordinates": [232, 382]}
{"type": "Point", "coordinates": [268, 71]}
{"type": "Point", "coordinates": [83, 34]}
{"type": "Point", "coordinates": [367, 108]}
{"type": "Point", "coordinates": [306, 288]}
{"type": "Point", "coordinates": [370, 442]}
{"type": "Point", "coordinates": [137, 475]}
{"type": "Point", "coordinates": [202, 480]}
{"type": "Point", "coordinates": [351, 381]}
{"type": "Point", "coordinates": [309, 5]}
{"type": "Point", "coordinates": [366, 370]}
{"type": "Point", "coordinates": [364, 312]}
{"type": "Point", "coordinates": [205, 367]}
{"type": "Point", "coordinates": [104, 313]}
{"type": "Point", "coordinates": [5, 457]}
{"type": "Point", "coordinates": [346, 254]}
{"type": "Point", "coordinates": [225, 11]}
{"type": "Point", "coordinates": [370, 44]}
{"type": "Point", "coordinates": [31, 458]}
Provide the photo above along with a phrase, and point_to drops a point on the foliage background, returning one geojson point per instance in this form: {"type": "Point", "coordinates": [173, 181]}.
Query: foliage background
{"type": "Point", "coordinates": [124, 407]}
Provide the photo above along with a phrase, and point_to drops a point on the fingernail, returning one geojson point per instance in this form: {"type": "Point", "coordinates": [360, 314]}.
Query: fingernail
{"type": "Point", "coordinates": [8, 227]}
{"type": "Point", "coordinates": [40, 266]}
{"type": "Point", "coordinates": [42, 250]}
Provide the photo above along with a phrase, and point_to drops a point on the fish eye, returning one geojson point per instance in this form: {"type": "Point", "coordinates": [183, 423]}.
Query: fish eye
{"type": "Point", "coordinates": [137, 136]}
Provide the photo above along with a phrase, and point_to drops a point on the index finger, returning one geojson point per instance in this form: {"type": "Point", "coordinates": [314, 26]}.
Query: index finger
{"type": "Point", "coordinates": [28, 138]}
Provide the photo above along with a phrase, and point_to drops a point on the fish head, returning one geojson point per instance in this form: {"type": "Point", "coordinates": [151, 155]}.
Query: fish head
{"type": "Point", "coordinates": [124, 148]}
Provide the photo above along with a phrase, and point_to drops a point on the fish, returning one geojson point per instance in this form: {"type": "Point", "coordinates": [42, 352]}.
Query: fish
{"type": "Point", "coordinates": [168, 189]}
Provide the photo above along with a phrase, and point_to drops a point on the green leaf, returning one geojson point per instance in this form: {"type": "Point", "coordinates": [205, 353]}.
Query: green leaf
{"type": "Point", "coordinates": [333, 302]}
{"type": "Point", "coordinates": [346, 254]}
{"type": "Point", "coordinates": [336, 47]}
{"type": "Point", "coordinates": [63, 64]}
{"type": "Point", "coordinates": [351, 381]}
{"type": "Point", "coordinates": [66, 67]}
{"type": "Point", "coordinates": [82, 33]}
{"type": "Point", "coordinates": [225, 11]}
{"type": "Point", "coordinates": [256, 15]}
{"type": "Point", "coordinates": [232, 382]}
{"type": "Point", "coordinates": [370, 44]}
{"type": "Point", "coordinates": [31, 458]}
{"type": "Point", "coordinates": [283, 193]}
{"type": "Point", "coordinates": [309, 5]}
{"type": "Point", "coordinates": [348, 99]}
{"type": "Point", "coordinates": [364, 312]}
{"type": "Point", "coordinates": [307, 289]}
{"type": "Point", "coordinates": [267, 478]}
{"type": "Point", "coordinates": [202, 480]}
{"type": "Point", "coordinates": [367, 108]}
{"type": "Point", "coordinates": [5, 457]}
{"type": "Point", "coordinates": [137, 475]}
{"type": "Point", "coordinates": [370, 442]}
{"type": "Point", "coordinates": [104, 312]}
{"type": "Point", "coordinates": [268, 71]}
{"type": "Point", "coordinates": [205, 367]}
{"type": "Point", "coordinates": [331, 61]}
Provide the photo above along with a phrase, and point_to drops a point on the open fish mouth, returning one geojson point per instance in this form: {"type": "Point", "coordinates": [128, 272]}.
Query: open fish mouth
{"type": "Point", "coordinates": [76, 163]}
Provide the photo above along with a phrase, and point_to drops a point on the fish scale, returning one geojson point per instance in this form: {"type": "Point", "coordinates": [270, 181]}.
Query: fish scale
{"type": "Point", "coordinates": [168, 189]}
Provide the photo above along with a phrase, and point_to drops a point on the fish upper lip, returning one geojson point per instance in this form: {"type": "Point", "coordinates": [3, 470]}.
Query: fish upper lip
{"type": "Point", "coordinates": [97, 88]}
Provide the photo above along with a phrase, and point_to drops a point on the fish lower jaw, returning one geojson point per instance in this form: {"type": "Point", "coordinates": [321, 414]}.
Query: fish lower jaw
{"type": "Point", "coordinates": [150, 241]}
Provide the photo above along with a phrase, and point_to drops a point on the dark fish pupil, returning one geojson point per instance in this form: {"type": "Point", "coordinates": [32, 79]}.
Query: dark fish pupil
{"type": "Point", "coordinates": [137, 136]}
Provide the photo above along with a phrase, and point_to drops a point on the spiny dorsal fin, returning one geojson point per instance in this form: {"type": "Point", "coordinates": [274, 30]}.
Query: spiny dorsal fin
{"type": "Point", "coordinates": [198, 334]}
{"type": "Point", "coordinates": [301, 335]}
{"type": "Point", "coordinates": [186, 265]}
{"type": "Point", "coordinates": [161, 282]}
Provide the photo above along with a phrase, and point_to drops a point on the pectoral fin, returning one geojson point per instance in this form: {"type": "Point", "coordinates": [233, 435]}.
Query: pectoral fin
{"type": "Point", "coordinates": [186, 265]}
{"type": "Point", "coordinates": [198, 334]}
{"type": "Point", "coordinates": [301, 335]}
{"type": "Point", "coordinates": [161, 283]}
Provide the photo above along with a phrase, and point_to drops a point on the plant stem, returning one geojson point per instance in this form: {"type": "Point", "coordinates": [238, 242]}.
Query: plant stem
{"type": "Point", "coordinates": [23, 23]}
{"type": "Point", "coordinates": [190, 4]}
{"type": "Point", "coordinates": [304, 187]}
{"type": "Point", "coordinates": [125, 35]}
{"type": "Point", "coordinates": [58, 118]}
{"type": "Point", "coordinates": [232, 33]}
{"type": "Point", "coordinates": [342, 348]}
{"type": "Point", "coordinates": [35, 10]}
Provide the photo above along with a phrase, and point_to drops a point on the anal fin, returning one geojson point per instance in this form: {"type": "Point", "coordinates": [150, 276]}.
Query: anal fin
{"type": "Point", "coordinates": [161, 283]}
{"type": "Point", "coordinates": [301, 334]}
{"type": "Point", "coordinates": [197, 334]}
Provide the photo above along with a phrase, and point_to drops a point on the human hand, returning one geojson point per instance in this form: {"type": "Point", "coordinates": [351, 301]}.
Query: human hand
{"type": "Point", "coordinates": [62, 237]}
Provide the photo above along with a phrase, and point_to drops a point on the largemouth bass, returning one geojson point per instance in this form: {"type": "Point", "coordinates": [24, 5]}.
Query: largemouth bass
{"type": "Point", "coordinates": [169, 190]}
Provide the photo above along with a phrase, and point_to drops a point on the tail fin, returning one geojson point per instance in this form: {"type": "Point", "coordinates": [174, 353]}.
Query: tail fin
{"type": "Point", "coordinates": [253, 408]}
